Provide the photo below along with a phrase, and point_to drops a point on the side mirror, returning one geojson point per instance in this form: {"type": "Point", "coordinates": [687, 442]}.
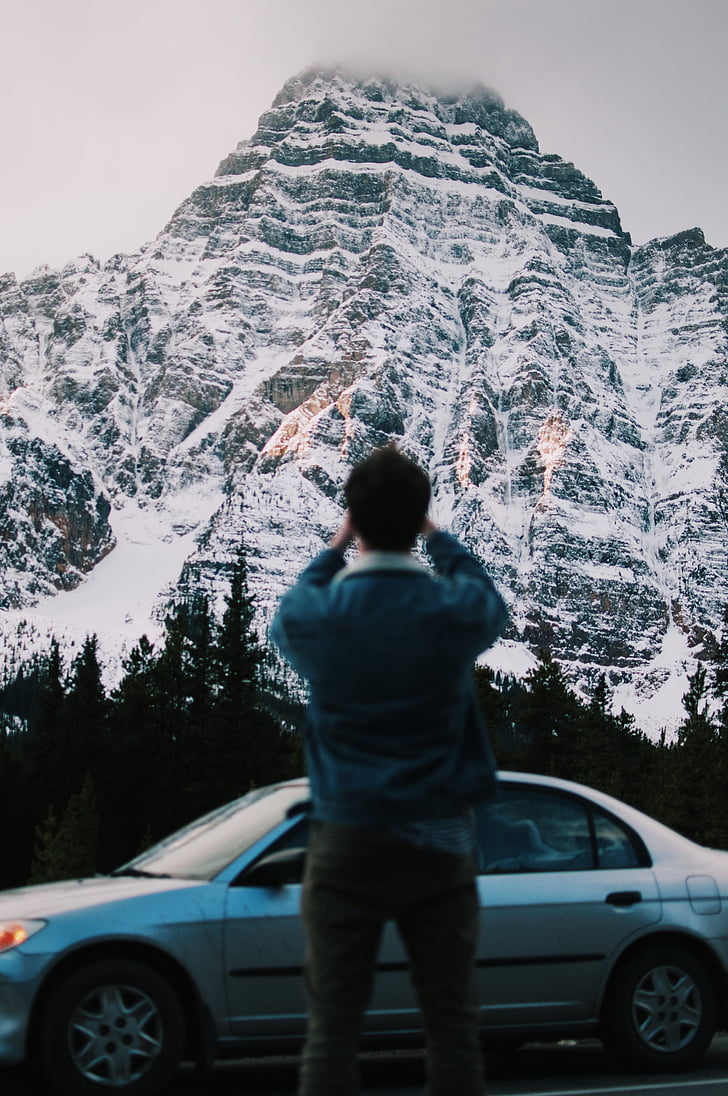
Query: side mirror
{"type": "Point", "coordinates": [277, 870]}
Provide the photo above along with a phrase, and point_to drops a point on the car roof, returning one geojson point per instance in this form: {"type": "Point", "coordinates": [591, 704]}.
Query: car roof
{"type": "Point", "coordinates": [662, 842]}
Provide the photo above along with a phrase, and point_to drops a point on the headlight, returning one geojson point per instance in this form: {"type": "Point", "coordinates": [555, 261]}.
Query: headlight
{"type": "Point", "coordinates": [15, 933]}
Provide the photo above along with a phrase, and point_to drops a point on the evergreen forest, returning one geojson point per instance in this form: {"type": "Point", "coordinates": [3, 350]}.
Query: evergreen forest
{"type": "Point", "coordinates": [89, 777]}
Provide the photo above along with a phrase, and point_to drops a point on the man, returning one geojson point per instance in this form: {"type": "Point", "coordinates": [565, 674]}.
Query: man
{"type": "Point", "coordinates": [396, 758]}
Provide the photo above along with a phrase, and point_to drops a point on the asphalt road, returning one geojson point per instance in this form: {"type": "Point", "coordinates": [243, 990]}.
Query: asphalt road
{"type": "Point", "coordinates": [535, 1070]}
{"type": "Point", "coordinates": [581, 1069]}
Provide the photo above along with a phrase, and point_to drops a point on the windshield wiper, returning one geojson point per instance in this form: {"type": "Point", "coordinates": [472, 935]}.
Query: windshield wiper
{"type": "Point", "coordinates": [138, 873]}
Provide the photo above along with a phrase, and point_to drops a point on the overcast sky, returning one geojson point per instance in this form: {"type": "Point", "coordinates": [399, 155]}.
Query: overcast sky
{"type": "Point", "coordinates": [112, 111]}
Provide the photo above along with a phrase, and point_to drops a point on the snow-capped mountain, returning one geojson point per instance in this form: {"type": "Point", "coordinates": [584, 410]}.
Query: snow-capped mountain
{"type": "Point", "coordinates": [380, 261]}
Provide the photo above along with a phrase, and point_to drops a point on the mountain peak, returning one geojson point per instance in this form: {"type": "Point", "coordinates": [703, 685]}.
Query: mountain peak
{"type": "Point", "coordinates": [455, 104]}
{"type": "Point", "coordinates": [381, 260]}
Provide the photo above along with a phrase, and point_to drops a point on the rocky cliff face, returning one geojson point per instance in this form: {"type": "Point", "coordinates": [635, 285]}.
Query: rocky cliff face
{"type": "Point", "coordinates": [381, 262]}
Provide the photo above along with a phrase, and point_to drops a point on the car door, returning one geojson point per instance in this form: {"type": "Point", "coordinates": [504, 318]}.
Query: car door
{"type": "Point", "coordinates": [264, 960]}
{"type": "Point", "coordinates": [562, 886]}
{"type": "Point", "coordinates": [264, 949]}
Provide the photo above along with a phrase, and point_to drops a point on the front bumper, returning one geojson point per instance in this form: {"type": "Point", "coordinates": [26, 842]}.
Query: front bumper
{"type": "Point", "coordinates": [20, 976]}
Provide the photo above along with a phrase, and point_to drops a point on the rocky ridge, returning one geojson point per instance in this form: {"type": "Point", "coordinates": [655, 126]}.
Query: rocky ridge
{"type": "Point", "coordinates": [381, 261]}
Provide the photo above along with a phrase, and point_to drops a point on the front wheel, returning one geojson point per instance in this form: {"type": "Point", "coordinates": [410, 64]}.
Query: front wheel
{"type": "Point", "coordinates": [660, 1010]}
{"type": "Point", "coordinates": [113, 1024]}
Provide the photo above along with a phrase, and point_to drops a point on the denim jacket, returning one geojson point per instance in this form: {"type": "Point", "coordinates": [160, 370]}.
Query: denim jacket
{"type": "Point", "coordinates": [387, 649]}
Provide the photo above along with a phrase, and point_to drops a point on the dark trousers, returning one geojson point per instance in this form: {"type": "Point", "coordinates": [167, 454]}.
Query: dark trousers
{"type": "Point", "coordinates": [356, 880]}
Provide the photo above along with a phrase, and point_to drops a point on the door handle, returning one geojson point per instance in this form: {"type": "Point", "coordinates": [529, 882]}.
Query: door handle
{"type": "Point", "coordinates": [624, 898]}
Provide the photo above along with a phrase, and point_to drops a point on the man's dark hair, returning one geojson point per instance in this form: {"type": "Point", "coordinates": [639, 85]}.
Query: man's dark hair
{"type": "Point", "coordinates": [387, 495]}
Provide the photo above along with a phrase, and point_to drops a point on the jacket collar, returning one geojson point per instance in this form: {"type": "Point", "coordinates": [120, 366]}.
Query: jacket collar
{"type": "Point", "coordinates": [371, 562]}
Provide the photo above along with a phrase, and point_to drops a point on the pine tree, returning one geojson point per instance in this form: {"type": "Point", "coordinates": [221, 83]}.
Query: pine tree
{"type": "Point", "coordinates": [636, 765]}
{"type": "Point", "coordinates": [695, 798]}
{"type": "Point", "coordinates": [547, 717]}
{"type": "Point", "coordinates": [84, 722]}
{"type": "Point", "coordinates": [720, 662]}
{"type": "Point", "coordinates": [201, 635]}
{"type": "Point", "coordinates": [46, 728]}
{"type": "Point", "coordinates": [68, 848]}
{"type": "Point", "coordinates": [595, 762]}
{"type": "Point", "coordinates": [172, 691]}
{"type": "Point", "coordinates": [16, 813]}
{"type": "Point", "coordinates": [238, 648]}
{"type": "Point", "coordinates": [246, 745]}
{"type": "Point", "coordinates": [721, 779]}
{"type": "Point", "coordinates": [190, 648]}
{"type": "Point", "coordinates": [720, 692]}
{"type": "Point", "coordinates": [499, 699]}
{"type": "Point", "coordinates": [137, 797]}
{"type": "Point", "coordinates": [133, 699]}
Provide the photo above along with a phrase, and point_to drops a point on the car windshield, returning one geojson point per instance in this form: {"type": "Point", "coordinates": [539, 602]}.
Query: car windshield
{"type": "Point", "coordinates": [206, 846]}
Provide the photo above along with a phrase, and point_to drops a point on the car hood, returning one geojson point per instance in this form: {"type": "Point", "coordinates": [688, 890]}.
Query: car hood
{"type": "Point", "coordinates": [47, 899]}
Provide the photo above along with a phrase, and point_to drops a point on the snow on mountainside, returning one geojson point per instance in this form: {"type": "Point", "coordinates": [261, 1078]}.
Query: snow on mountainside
{"type": "Point", "coordinates": [379, 261]}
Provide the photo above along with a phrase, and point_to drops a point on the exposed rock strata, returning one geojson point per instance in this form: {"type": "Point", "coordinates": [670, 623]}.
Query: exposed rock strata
{"type": "Point", "coordinates": [382, 262]}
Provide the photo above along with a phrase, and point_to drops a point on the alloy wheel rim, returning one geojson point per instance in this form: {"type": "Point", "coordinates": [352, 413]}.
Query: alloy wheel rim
{"type": "Point", "coordinates": [667, 1009]}
{"type": "Point", "coordinates": [115, 1035]}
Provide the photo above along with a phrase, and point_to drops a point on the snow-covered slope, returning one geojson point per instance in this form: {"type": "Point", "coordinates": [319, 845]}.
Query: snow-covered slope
{"type": "Point", "coordinates": [380, 261]}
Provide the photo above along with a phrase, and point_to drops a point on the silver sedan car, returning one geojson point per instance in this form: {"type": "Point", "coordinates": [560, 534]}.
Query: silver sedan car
{"type": "Point", "coordinates": [595, 919]}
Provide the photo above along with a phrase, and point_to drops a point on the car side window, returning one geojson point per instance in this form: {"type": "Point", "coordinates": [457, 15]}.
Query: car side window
{"type": "Point", "coordinates": [295, 837]}
{"type": "Point", "coordinates": [290, 868]}
{"type": "Point", "coordinates": [528, 829]}
{"type": "Point", "coordinates": [615, 845]}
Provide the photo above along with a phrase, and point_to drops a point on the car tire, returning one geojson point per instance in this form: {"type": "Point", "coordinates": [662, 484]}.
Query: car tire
{"type": "Point", "coordinates": [660, 1009]}
{"type": "Point", "coordinates": [114, 1025]}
